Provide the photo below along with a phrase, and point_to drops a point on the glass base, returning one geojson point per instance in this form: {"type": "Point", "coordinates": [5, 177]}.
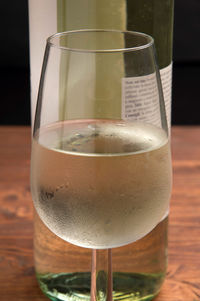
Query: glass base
{"type": "Point", "coordinates": [76, 286]}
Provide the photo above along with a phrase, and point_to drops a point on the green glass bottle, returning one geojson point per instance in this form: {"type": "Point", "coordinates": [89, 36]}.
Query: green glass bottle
{"type": "Point", "coordinates": [63, 270]}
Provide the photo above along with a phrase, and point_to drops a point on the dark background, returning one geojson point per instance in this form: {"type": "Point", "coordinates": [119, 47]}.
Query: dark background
{"type": "Point", "coordinates": [14, 63]}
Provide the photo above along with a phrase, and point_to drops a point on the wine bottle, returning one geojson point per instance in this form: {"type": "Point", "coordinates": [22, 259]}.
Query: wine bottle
{"type": "Point", "coordinates": [60, 272]}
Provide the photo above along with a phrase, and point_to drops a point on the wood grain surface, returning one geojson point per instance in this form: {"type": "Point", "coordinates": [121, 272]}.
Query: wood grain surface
{"type": "Point", "coordinates": [17, 278]}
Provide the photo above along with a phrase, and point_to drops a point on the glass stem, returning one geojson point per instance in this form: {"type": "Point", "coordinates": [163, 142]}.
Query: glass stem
{"type": "Point", "coordinates": [101, 275]}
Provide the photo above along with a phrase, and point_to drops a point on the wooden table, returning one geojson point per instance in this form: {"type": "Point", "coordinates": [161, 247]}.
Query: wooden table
{"type": "Point", "coordinates": [17, 279]}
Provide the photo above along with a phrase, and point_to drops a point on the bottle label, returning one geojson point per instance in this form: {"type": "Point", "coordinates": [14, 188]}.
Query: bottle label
{"type": "Point", "coordinates": [140, 97]}
{"type": "Point", "coordinates": [166, 78]}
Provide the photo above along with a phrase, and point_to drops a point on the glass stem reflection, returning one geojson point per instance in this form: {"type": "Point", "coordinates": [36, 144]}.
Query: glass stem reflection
{"type": "Point", "coordinates": [101, 275]}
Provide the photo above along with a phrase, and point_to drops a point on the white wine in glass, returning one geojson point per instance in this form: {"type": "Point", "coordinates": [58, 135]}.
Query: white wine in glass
{"type": "Point", "coordinates": [100, 182]}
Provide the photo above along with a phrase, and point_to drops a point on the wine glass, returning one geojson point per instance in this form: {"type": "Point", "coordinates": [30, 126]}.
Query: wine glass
{"type": "Point", "coordinates": [101, 165]}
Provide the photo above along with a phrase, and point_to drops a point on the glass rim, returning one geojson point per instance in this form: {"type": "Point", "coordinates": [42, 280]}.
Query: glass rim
{"type": "Point", "coordinates": [149, 43]}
